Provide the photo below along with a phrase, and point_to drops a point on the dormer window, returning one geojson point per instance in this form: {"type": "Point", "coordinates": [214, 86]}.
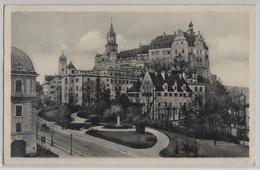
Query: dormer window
{"type": "Point", "coordinates": [184, 87]}
{"type": "Point", "coordinates": [72, 71]}
{"type": "Point", "coordinates": [165, 87]}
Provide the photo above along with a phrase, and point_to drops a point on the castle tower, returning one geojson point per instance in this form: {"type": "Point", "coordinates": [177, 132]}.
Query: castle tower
{"type": "Point", "coordinates": [111, 45]}
{"type": "Point", "coordinates": [62, 64]}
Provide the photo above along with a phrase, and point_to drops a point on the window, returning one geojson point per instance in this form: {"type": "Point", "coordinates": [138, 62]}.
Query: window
{"type": "Point", "coordinates": [176, 51]}
{"type": "Point", "coordinates": [18, 86]}
{"type": "Point", "coordinates": [77, 94]}
{"type": "Point", "coordinates": [77, 80]}
{"type": "Point", "coordinates": [77, 87]}
{"type": "Point", "coordinates": [66, 81]}
{"type": "Point", "coordinates": [182, 50]}
{"type": "Point", "coordinates": [165, 104]}
{"type": "Point", "coordinates": [72, 71]}
{"type": "Point", "coordinates": [170, 94]}
{"type": "Point", "coordinates": [184, 94]}
{"type": "Point", "coordinates": [18, 110]}
{"type": "Point", "coordinates": [66, 71]}
{"type": "Point", "coordinates": [200, 89]}
{"type": "Point", "coordinates": [18, 127]}
{"type": "Point", "coordinates": [72, 81]}
{"type": "Point", "coordinates": [180, 94]}
{"type": "Point", "coordinates": [165, 94]}
{"type": "Point", "coordinates": [196, 89]}
{"type": "Point", "coordinates": [175, 94]}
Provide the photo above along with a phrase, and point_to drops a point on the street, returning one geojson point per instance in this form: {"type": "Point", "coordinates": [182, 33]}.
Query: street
{"type": "Point", "coordinates": [81, 146]}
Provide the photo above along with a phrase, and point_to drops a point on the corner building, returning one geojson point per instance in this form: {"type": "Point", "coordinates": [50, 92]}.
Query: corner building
{"type": "Point", "coordinates": [23, 105]}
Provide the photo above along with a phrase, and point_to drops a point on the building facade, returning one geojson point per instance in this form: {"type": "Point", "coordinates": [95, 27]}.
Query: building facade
{"type": "Point", "coordinates": [185, 53]}
{"type": "Point", "coordinates": [23, 105]}
{"type": "Point", "coordinates": [165, 95]}
{"type": "Point", "coordinates": [52, 83]}
{"type": "Point", "coordinates": [52, 88]}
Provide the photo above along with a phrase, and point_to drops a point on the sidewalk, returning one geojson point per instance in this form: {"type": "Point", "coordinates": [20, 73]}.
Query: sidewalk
{"type": "Point", "coordinates": [61, 152]}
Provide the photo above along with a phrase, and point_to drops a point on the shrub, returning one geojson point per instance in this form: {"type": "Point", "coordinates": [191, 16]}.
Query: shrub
{"type": "Point", "coordinates": [76, 126]}
{"type": "Point", "coordinates": [140, 127]}
{"type": "Point", "coordinates": [94, 119]}
{"type": "Point", "coordinates": [187, 147]}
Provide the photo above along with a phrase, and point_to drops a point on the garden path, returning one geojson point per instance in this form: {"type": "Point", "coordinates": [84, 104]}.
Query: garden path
{"type": "Point", "coordinates": [77, 119]}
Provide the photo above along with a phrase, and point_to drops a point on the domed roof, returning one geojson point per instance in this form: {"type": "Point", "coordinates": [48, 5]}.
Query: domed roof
{"type": "Point", "coordinates": [21, 61]}
{"type": "Point", "coordinates": [70, 66]}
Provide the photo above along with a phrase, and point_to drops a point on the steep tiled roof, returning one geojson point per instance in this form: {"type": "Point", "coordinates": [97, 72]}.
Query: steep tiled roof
{"type": "Point", "coordinates": [133, 52]}
{"type": "Point", "coordinates": [51, 77]}
{"type": "Point", "coordinates": [170, 79]}
{"type": "Point", "coordinates": [162, 41]}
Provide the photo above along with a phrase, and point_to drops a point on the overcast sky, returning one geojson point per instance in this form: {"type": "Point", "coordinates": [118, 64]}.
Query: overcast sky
{"type": "Point", "coordinates": [43, 36]}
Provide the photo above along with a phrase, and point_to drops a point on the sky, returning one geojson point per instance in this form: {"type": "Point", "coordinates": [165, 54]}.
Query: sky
{"type": "Point", "coordinates": [44, 35]}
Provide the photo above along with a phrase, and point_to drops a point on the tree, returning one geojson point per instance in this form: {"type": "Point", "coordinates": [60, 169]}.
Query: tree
{"type": "Point", "coordinates": [112, 113]}
{"type": "Point", "coordinates": [124, 102]}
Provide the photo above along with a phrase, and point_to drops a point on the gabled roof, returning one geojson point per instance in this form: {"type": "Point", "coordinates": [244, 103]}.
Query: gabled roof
{"type": "Point", "coordinates": [170, 79]}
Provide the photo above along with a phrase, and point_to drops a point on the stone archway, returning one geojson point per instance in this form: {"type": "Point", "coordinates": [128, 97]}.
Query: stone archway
{"type": "Point", "coordinates": [18, 148]}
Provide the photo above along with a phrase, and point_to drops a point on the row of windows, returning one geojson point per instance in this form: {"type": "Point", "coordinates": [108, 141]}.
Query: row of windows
{"type": "Point", "coordinates": [174, 94]}
{"type": "Point", "coordinates": [182, 51]}
{"type": "Point", "coordinates": [72, 71]}
{"type": "Point", "coordinates": [121, 81]}
{"type": "Point", "coordinates": [170, 104]}
{"type": "Point", "coordinates": [196, 89]}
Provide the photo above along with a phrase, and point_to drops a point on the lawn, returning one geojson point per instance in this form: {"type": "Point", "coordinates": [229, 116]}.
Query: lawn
{"type": "Point", "coordinates": [206, 148]}
{"type": "Point", "coordinates": [130, 138]}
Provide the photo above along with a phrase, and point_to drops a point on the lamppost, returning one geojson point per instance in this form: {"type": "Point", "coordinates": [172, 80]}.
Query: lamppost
{"type": "Point", "coordinates": [52, 134]}
{"type": "Point", "coordinates": [71, 144]}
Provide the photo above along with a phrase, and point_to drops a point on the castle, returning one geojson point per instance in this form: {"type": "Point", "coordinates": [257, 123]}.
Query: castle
{"type": "Point", "coordinates": [164, 76]}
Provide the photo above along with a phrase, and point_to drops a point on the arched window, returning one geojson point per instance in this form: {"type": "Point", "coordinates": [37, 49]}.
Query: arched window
{"type": "Point", "coordinates": [18, 86]}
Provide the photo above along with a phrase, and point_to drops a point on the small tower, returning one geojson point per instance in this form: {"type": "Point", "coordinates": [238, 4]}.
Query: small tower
{"type": "Point", "coordinates": [111, 45]}
{"type": "Point", "coordinates": [191, 27]}
{"type": "Point", "coordinates": [62, 64]}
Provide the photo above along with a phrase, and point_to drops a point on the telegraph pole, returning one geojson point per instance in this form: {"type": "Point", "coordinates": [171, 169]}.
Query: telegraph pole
{"type": "Point", "coordinates": [71, 144]}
